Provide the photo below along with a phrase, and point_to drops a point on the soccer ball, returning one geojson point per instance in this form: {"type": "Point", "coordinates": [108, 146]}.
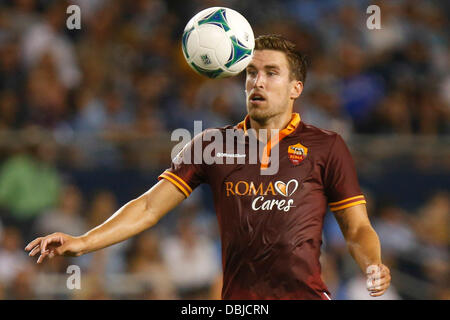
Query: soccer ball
{"type": "Point", "coordinates": [218, 42]}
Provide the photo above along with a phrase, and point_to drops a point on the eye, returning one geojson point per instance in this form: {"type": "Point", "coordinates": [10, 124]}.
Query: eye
{"type": "Point", "coordinates": [271, 73]}
{"type": "Point", "coordinates": [251, 73]}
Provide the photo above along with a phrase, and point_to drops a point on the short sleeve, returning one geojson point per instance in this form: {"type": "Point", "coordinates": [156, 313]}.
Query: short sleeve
{"type": "Point", "coordinates": [186, 171]}
{"type": "Point", "coordinates": [341, 181]}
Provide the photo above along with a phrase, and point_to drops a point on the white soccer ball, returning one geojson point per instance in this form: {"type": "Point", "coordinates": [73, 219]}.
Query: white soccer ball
{"type": "Point", "coordinates": [218, 42]}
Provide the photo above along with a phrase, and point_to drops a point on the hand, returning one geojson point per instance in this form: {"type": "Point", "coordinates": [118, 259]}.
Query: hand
{"type": "Point", "coordinates": [378, 279]}
{"type": "Point", "coordinates": [56, 244]}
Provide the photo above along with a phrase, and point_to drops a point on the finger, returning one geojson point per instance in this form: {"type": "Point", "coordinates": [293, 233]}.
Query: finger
{"type": "Point", "coordinates": [372, 284]}
{"type": "Point", "coordinates": [51, 239]}
{"type": "Point", "coordinates": [378, 289]}
{"type": "Point", "coordinates": [385, 278]}
{"type": "Point", "coordinates": [377, 294]}
{"type": "Point", "coordinates": [384, 282]}
{"type": "Point", "coordinates": [382, 287]}
{"type": "Point", "coordinates": [48, 241]}
{"type": "Point", "coordinates": [385, 275]}
{"type": "Point", "coordinates": [44, 245]}
{"type": "Point", "coordinates": [383, 268]}
{"type": "Point", "coordinates": [34, 251]}
{"type": "Point", "coordinates": [33, 243]}
{"type": "Point", "coordinates": [379, 284]}
{"type": "Point", "coordinates": [377, 281]}
{"type": "Point", "coordinates": [42, 257]}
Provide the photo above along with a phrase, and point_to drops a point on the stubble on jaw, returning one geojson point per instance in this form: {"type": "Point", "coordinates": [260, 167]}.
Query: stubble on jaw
{"type": "Point", "coordinates": [262, 117]}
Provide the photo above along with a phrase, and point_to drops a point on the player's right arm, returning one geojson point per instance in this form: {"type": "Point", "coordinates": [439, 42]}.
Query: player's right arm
{"type": "Point", "coordinates": [131, 219]}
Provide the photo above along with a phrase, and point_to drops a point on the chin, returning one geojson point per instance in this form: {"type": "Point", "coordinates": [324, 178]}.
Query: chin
{"type": "Point", "coordinates": [259, 114]}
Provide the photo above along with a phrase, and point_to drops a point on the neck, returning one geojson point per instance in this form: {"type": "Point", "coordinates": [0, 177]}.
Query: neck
{"type": "Point", "coordinates": [278, 122]}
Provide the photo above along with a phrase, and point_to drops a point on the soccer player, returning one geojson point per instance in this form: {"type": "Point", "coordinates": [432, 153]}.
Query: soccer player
{"type": "Point", "coordinates": [270, 224]}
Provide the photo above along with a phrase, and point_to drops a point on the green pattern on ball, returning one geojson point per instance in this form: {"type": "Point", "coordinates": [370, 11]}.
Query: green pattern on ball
{"type": "Point", "coordinates": [209, 73]}
{"type": "Point", "coordinates": [239, 52]}
{"type": "Point", "coordinates": [184, 41]}
{"type": "Point", "coordinates": [217, 18]}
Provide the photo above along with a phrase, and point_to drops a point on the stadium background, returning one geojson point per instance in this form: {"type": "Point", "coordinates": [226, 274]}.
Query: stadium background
{"type": "Point", "coordinates": [86, 117]}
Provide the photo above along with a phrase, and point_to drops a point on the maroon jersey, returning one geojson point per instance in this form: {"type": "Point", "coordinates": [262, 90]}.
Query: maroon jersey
{"type": "Point", "coordinates": [271, 225]}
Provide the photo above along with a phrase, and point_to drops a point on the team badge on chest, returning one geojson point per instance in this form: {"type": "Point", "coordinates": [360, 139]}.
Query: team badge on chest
{"type": "Point", "coordinates": [297, 153]}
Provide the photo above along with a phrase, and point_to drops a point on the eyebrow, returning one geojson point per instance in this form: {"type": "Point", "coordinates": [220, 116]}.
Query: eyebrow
{"type": "Point", "coordinates": [269, 66]}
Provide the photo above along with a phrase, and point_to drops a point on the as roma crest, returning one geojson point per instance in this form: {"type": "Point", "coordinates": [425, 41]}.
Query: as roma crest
{"type": "Point", "coordinates": [297, 153]}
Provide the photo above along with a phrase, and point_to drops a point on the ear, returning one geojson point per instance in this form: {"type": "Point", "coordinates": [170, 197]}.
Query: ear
{"type": "Point", "coordinates": [296, 89]}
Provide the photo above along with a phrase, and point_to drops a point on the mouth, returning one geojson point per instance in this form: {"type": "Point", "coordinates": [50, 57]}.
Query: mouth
{"type": "Point", "coordinates": [257, 98]}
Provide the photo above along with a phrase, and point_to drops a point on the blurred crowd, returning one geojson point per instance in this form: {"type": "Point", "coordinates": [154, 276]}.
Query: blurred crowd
{"type": "Point", "coordinates": [81, 107]}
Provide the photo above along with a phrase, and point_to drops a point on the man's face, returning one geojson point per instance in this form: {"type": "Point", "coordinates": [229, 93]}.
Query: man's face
{"type": "Point", "coordinates": [269, 89]}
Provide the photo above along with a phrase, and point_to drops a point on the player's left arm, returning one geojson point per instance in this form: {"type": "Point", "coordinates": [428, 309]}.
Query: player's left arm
{"type": "Point", "coordinates": [364, 246]}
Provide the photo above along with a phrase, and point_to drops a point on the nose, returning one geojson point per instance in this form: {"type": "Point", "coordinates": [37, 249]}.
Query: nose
{"type": "Point", "coordinates": [259, 80]}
